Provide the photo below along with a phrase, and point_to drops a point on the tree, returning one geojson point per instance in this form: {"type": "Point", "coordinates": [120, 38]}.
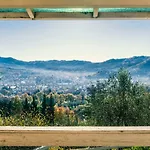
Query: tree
{"type": "Point", "coordinates": [34, 105]}
{"type": "Point", "coordinates": [10, 108]}
{"type": "Point", "coordinates": [118, 101]}
{"type": "Point", "coordinates": [44, 105]}
{"type": "Point", "coordinates": [51, 109]}
{"type": "Point", "coordinates": [17, 106]}
{"type": "Point", "coordinates": [26, 105]}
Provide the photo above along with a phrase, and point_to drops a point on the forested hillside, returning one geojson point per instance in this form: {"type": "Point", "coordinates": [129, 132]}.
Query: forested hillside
{"type": "Point", "coordinates": [115, 101]}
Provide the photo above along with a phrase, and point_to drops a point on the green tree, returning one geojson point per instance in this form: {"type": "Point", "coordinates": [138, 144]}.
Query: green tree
{"type": "Point", "coordinates": [51, 109]}
{"type": "Point", "coordinates": [26, 106]}
{"type": "Point", "coordinates": [10, 108]}
{"type": "Point", "coordinates": [118, 101]}
{"type": "Point", "coordinates": [34, 106]}
{"type": "Point", "coordinates": [17, 105]}
{"type": "Point", "coordinates": [44, 105]}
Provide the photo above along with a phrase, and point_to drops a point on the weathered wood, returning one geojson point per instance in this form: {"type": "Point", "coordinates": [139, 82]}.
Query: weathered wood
{"type": "Point", "coordinates": [14, 16]}
{"type": "Point", "coordinates": [30, 13]}
{"type": "Point", "coordinates": [72, 3]}
{"type": "Point", "coordinates": [40, 16]}
{"type": "Point", "coordinates": [95, 12]}
{"type": "Point", "coordinates": [75, 136]}
{"type": "Point", "coordinates": [124, 15]}
{"type": "Point", "coordinates": [75, 16]}
{"type": "Point", "coordinates": [89, 16]}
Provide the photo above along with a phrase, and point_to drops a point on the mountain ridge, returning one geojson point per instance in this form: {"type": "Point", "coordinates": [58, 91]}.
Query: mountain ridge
{"type": "Point", "coordinates": [108, 60]}
{"type": "Point", "coordinates": [134, 64]}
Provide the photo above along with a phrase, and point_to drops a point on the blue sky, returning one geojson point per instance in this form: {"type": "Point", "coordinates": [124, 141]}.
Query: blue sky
{"type": "Point", "coordinates": [95, 41]}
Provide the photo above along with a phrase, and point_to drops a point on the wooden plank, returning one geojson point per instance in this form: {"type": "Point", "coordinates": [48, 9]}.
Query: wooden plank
{"type": "Point", "coordinates": [95, 12]}
{"type": "Point", "coordinates": [30, 13]}
{"type": "Point", "coordinates": [76, 16]}
{"type": "Point", "coordinates": [75, 136]}
{"type": "Point", "coordinates": [124, 15]}
{"type": "Point", "coordinates": [12, 15]}
{"type": "Point", "coordinates": [89, 16]}
{"type": "Point", "coordinates": [40, 16]}
{"type": "Point", "coordinates": [72, 3]}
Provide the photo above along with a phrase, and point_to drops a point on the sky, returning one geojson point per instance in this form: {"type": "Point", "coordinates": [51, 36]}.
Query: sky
{"type": "Point", "coordinates": [93, 40]}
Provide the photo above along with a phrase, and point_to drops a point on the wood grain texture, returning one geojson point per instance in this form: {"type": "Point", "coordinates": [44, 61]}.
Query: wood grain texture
{"type": "Point", "coordinates": [75, 136]}
{"type": "Point", "coordinates": [76, 16]}
{"type": "Point", "coordinates": [72, 3]}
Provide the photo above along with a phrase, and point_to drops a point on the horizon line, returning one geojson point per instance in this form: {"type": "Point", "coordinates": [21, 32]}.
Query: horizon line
{"type": "Point", "coordinates": [74, 59]}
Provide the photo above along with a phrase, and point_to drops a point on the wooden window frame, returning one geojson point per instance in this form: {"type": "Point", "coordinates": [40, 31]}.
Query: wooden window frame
{"type": "Point", "coordinates": [74, 136]}
{"type": "Point", "coordinates": [95, 4]}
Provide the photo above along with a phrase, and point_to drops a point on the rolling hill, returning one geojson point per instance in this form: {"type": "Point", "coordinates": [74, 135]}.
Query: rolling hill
{"type": "Point", "coordinates": [139, 65]}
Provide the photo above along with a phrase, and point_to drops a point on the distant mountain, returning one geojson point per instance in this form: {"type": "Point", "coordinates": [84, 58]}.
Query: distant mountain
{"type": "Point", "coordinates": [139, 65]}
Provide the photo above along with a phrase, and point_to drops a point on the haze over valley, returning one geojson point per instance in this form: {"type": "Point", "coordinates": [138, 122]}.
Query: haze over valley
{"type": "Point", "coordinates": [66, 76]}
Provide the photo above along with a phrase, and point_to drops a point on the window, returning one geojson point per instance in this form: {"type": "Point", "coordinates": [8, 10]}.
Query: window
{"type": "Point", "coordinates": [70, 73]}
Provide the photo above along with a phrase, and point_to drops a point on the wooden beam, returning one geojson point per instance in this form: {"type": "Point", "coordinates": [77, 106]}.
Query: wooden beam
{"type": "Point", "coordinates": [63, 16]}
{"type": "Point", "coordinates": [14, 16]}
{"type": "Point", "coordinates": [89, 16]}
{"type": "Point", "coordinates": [76, 16]}
{"type": "Point", "coordinates": [74, 136]}
{"type": "Point", "coordinates": [30, 13]}
{"type": "Point", "coordinates": [72, 3]}
{"type": "Point", "coordinates": [95, 12]}
{"type": "Point", "coordinates": [124, 15]}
